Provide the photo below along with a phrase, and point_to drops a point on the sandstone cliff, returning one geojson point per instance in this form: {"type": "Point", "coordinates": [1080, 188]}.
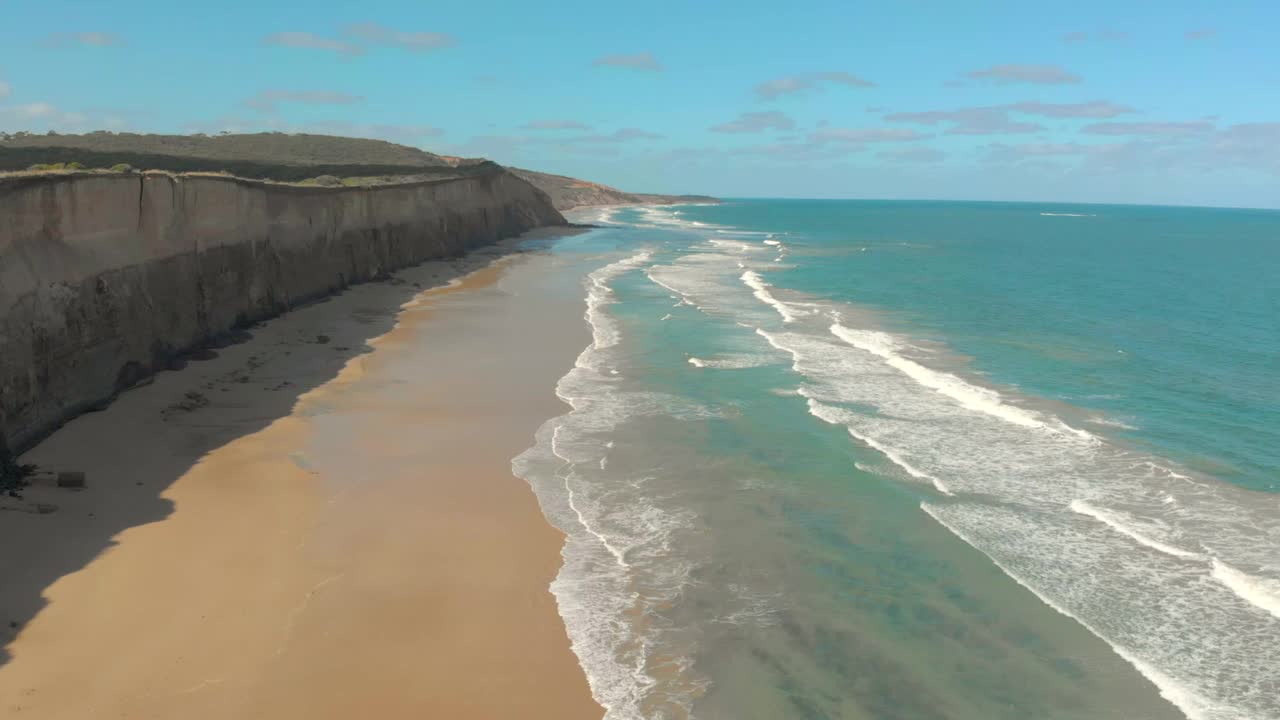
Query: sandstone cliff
{"type": "Point", "coordinates": [104, 278]}
{"type": "Point", "coordinates": [566, 192]}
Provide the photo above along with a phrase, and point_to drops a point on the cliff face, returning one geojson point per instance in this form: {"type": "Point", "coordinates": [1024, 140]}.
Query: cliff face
{"type": "Point", "coordinates": [105, 278]}
{"type": "Point", "coordinates": [566, 192]}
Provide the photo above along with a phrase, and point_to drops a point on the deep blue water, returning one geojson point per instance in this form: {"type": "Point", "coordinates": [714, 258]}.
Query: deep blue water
{"type": "Point", "coordinates": [922, 460]}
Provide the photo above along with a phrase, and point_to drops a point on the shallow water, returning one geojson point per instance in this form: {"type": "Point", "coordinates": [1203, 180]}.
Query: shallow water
{"type": "Point", "coordinates": [918, 460]}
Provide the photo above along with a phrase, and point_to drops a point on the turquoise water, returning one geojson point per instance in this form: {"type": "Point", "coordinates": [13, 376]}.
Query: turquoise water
{"type": "Point", "coordinates": [923, 460]}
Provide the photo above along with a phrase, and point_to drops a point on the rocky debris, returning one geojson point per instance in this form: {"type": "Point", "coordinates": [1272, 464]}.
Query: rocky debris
{"type": "Point", "coordinates": [322, 339]}
{"type": "Point", "coordinates": [13, 475]}
{"type": "Point", "coordinates": [17, 504]}
{"type": "Point", "coordinates": [191, 401]}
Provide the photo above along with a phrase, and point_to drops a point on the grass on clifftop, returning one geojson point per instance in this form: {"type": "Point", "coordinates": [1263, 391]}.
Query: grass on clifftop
{"type": "Point", "coordinates": [267, 156]}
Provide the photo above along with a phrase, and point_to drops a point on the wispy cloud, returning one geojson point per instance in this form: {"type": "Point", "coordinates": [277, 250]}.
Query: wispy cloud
{"type": "Point", "coordinates": [313, 42]}
{"type": "Point", "coordinates": [1200, 34]}
{"type": "Point", "coordinates": [1104, 36]}
{"type": "Point", "coordinates": [1253, 145]}
{"type": "Point", "coordinates": [82, 39]}
{"type": "Point", "coordinates": [806, 153]}
{"type": "Point", "coordinates": [555, 125]}
{"type": "Point", "coordinates": [638, 61]}
{"type": "Point", "coordinates": [1034, 74]}
{"type": "Point", "coordinates": [996, 120]}
{"type": "Point", "coordinates": [772, 89]}
{"type": "Point", "coordinates": [1091, 109]}
{"type": "Point", "coordinates": [754, 122]}
{"type": "Point", "coordinates": [913, 155]}
{"type": "Point", "coordinates": [374, 34]}
{"type": "Point", "coordinates": [969, 121]}
{"type": "Point", "coordinates": [41, 116]}
{"type": "Point", "coordinates": [617, 136]}
{"type": "Point", "coordinates": [1150, 129]}
{"type": "Point", "coordinates": [269, 100]}
{"type": "Point", "coordinates": [5, 89]}
{"type": "Point", "coordinates": [866, 135]}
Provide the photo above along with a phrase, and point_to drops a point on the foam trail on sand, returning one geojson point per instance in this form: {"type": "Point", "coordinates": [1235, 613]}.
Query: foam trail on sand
{"type": "Point", "coordinates": [613, 544]}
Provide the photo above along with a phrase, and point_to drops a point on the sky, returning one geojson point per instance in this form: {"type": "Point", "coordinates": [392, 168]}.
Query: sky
{"type": "Point", "coordinates": [1122, 101]}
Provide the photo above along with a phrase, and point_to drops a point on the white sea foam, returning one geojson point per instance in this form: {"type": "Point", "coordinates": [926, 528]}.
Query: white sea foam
{"type": "Point", "coordinates": [835, 416]}
{"type": "Point", "coordinates": [611, 543]}
{"type": "Point", "coordinates": [971, 396]}
{"type": "Point", "coordinates": [1126, 526]}
{"type": "Point", "coordinates": [1049, 214]}
{"type": "Point", "coordinates": [730, 362]}
{"type": "Point", "coordinates": [761, 290]}
{"type": "Point", "coordinates": [1111, 422]}
{"type": "Point", "coordinates": [1194, 704]}
{"type": "Point", "coordinates": [1260, 592]}
{"type": "Point", "coordinates": [971, 447]}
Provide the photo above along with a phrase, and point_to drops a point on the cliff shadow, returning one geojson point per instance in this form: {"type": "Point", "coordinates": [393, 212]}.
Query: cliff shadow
{"type": "Point", "coordinates": [154, 433]}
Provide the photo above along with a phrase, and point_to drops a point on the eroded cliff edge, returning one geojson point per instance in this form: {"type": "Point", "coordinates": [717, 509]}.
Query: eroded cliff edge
{"type": "Point", "coordinates": [105, 278]}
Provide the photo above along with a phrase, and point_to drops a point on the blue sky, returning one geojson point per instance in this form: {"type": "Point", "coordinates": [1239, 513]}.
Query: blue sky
{"type": "Point", "coordinates": [1147, 102]}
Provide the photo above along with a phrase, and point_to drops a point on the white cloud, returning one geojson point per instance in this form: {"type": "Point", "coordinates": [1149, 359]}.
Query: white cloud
{"type": "Point", "coordinates": [374, 34]}
{"type": "Point", "coordinates": [754, 122]}
{"type": "Point", "coordinates": [269, 100]}
{"type": "Point", "coordinates": [555, 125]}
{"type": "Point", "coordinates": [865, 135]}
{"type": "Point", "coordinates": [772, 89]}
{"type": "Point", "coordinates": [617, 136]}
{"type": "Point", "coordinates": [969, 121]}
{"type": "Point", "coordinates": [913, 155]}
{"type": "Point", "coordinates": [1035, 74]}
{"type": "Point", "coordinates": [82, 39]}
{"type": "Point", "coordinates": [1153, 129]}
{"type": "Point", "coordinates": [638, 61]}
{"type": "Point", "coordinates": [312, 41]}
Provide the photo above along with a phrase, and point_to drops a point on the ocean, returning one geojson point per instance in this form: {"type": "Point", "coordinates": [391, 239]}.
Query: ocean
{"type": "Point", "coordinates": [863, 459]}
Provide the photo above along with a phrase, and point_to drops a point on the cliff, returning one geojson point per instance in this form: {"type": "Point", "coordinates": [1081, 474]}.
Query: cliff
{"type": "Point", "coordinates": [566, 192]}
{"type": "Point", "coordinates": [105, 278]}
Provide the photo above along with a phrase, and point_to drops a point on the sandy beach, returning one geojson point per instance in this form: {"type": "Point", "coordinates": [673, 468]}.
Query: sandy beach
{"type": "Point", "coordinates": [320, 522]}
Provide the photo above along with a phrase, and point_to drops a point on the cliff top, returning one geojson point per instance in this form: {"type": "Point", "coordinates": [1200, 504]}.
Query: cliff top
{"type": "Point", "coordinates": [567, 192]}
{"type": "Point", "coordinates": [271, 156]}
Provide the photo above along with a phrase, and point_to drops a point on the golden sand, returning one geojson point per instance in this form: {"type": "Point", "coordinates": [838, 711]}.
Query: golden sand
{"type": "Point", "coordinates": [352, 544]}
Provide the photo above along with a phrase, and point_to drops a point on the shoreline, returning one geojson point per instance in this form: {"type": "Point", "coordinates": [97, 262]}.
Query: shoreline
{"type": "Point", "coordinates": [274, 532]}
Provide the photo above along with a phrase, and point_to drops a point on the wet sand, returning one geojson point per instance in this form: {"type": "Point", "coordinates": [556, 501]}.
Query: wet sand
{"type": "Point", "coordinates": [323, 528]}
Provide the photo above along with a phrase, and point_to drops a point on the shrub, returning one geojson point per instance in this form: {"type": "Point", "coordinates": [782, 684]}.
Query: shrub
{"type": "Point", "coordinates": [122, 168]}
{"type": "Point", "coordinates": [327, 181]}
{"type": "Point", "coordinates": [74, 166]}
